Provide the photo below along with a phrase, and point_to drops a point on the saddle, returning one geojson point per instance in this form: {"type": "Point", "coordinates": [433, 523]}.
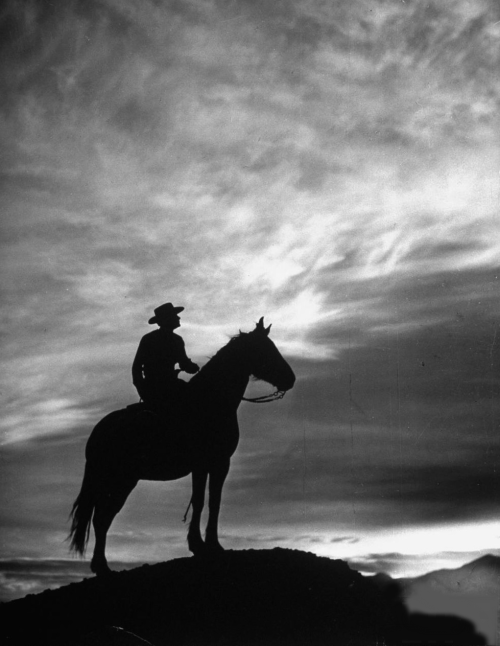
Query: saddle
{"type": "Point", "coordinates": [162, 414]}
{"type": "Point", "coordinates": [139, 407]}
{"type": "Point", "coordinates": [162, 426]}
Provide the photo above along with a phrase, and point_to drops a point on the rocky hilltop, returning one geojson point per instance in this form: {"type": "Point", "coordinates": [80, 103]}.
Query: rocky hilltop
{"type": "Point", "coordinates": [254, 597]}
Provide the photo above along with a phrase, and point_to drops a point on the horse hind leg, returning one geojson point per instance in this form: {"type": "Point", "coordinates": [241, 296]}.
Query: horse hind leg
{"type": "Point", "coordinates": [107, 507]}
{"type": "Point", "coordinates": [195, 541]}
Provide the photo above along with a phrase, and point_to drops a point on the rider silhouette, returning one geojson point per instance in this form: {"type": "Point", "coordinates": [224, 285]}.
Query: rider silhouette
{"type": "Point", "coordinates": [153, 370]}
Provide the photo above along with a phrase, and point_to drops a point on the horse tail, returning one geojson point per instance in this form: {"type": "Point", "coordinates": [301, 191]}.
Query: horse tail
{"type": "Point", "coordinates": [81, 513]}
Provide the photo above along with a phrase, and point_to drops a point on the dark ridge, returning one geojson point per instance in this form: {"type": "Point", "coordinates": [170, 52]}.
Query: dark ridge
{"type": "Point", "coordinates": [254, 597]}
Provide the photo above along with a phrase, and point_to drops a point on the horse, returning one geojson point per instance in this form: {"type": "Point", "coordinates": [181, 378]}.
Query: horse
{"type": "Point", "coordinates": [198, 438]}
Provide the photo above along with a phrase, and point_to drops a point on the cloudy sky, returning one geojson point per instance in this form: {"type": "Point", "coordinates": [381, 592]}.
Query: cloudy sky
{"type": "Point", "coordinates": [333, 166]}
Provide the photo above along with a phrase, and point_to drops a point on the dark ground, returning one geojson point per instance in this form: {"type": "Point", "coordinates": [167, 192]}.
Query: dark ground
{"type": "Point", "coordinates": [254, 597]}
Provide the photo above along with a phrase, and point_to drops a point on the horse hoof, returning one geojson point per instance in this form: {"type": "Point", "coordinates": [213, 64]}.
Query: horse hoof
{"type": "Point", "coordinates": [100, 568]}
{"type": "Point", "coordinates": [196, 546]}
{"type": "Point", "coordinates": [214, 549]}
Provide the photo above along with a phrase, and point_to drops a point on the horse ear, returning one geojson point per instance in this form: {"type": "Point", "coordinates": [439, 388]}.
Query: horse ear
{"type": "Point", "coordinates": [260, 327]}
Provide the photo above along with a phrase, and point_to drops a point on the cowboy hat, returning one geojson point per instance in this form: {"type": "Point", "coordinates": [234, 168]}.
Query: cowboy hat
{"type": "Point", "coordinates": [165, 311]}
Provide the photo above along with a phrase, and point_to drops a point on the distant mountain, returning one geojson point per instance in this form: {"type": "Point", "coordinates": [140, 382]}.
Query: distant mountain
{"type": "Point", "coordinates": [254, 597]}
{"type": "Point", "coordinates": [481, 575]}
{"type": "Point", "coordinates": [471, 592]}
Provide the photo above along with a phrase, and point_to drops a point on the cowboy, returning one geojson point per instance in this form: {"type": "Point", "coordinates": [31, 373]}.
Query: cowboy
{"type": "Point", "coordinates": [153, 371]}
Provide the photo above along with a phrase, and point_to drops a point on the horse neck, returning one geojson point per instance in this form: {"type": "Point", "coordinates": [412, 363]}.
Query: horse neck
{"type": "Point", "coordinates": [225, 376]}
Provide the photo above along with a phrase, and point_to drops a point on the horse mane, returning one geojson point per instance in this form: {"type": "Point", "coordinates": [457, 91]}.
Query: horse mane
{"type": "Point", "coordinates": [214, 362]}
{"type": "Point", "coordinates": [232, 340]}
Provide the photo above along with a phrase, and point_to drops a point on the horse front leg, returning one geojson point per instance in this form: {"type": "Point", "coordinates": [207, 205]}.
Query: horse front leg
{"type": "Point", "coordinates": [216, 482]}
{"type": "Point", "coordinates": [199, 482]}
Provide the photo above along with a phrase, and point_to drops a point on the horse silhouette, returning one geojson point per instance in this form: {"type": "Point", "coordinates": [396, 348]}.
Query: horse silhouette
{"type": "Point", "coordinates": [199, 438]}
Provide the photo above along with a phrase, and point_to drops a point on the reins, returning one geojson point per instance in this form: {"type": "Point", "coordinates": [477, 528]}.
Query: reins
{"type": "Point", "coordinates": [264, 399]}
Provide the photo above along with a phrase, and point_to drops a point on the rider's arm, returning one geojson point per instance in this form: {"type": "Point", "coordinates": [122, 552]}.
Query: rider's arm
{"type": "Point", "coordinates": [189, 366]}
{"type": "Point", "coordinates": [185, 362]}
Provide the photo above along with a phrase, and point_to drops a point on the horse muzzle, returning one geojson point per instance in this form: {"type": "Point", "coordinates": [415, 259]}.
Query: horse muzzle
{"type": "Point", "coordinates": [286, 382]}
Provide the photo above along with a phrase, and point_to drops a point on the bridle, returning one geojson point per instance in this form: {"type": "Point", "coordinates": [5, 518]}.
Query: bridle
{"type": "Point", "coordinates": [264, 399]}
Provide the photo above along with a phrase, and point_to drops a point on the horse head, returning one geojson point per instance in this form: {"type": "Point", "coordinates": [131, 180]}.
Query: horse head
{"type": "Point", "coordinates": [266, 362]}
